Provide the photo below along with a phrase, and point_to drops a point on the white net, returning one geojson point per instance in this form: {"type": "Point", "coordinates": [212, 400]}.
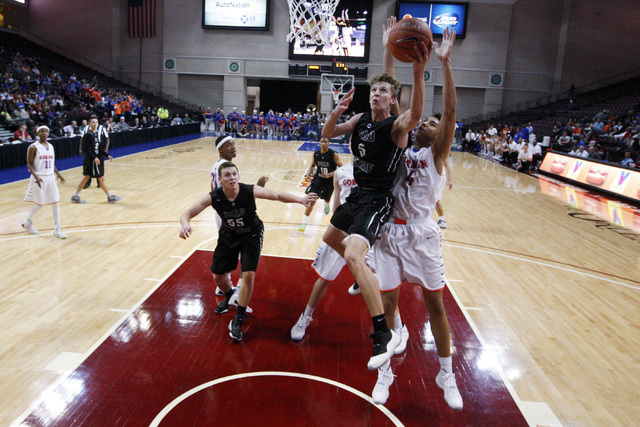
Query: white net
{"type": "Point", "coordinates": [310, 18]}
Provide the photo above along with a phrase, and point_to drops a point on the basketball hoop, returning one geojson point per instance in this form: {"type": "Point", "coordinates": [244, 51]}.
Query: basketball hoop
{"type": "Point", "coordinates": [336, 96]}
{"type": "Point", "coordinates": [310, 18]}
{"type": "Point", "coordinates": [336, 85]}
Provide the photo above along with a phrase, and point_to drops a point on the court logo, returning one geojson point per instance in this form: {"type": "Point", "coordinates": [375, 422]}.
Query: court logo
{"type": "Point", "coordinates": [615, 213]}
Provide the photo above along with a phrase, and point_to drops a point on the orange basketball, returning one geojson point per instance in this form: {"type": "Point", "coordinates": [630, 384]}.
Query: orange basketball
{"type": "Point", "coordinates": [407, 33]}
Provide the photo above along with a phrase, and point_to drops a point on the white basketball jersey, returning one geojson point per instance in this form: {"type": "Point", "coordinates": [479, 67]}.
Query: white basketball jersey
{"type": "Point", "coordinates": [345, 181]}
{"type": "Point", "coordinates": [215, 179]}
{"type": "Point", "coordinates": [45, 159]}
{"type": "Point", "coordinates": [418, 186]}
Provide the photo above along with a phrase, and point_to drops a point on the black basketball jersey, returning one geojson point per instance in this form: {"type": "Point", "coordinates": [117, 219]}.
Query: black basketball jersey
{"type": "Point", "coordinates": [239, 216]}
{"type": "Point", "coordinates": [325, 163]}
{"type": "Point", "coordinates": [376, 156]}
{"type": "Point", "coordinates": [94, 143]}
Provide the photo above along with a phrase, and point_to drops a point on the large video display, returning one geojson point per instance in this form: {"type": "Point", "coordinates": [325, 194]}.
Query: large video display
{"type": "Point", "coordinates": [349, 31]}
{"type": "Point", "coordinates": [236, 14]}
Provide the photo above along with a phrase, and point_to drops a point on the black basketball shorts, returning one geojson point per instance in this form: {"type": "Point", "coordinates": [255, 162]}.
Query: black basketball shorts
{"type": "Point", "coordinates": [231, 244]}
{"type": "Point", "coordinates": [323, 187]}
{"type": "Point", "coordinates": [364, 213]}
{"type": "Point", "coordinates": [90, 168]}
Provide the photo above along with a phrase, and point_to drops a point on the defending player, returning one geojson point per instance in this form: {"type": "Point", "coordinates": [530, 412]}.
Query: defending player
{"type": "Point", "coordinates": [325, 161]}
{"type": "Point", "coordinates": [43, 188]}
{"type": "Point", "coordinates": [328, 263]}
{"type": "Point", "coordinates": [377, 142]}
{"type": "Point", "coordinates": [240, 234]}
{"type": "Point", "coordinates": [410, 244]}
{"type": "Point", "coordinates": [226, 146]}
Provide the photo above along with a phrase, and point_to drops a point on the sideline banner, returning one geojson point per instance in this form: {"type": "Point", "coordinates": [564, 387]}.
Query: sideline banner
{"type": "Point", "coordinates": [609, 211]}
{"type": "Point", "coordinates": [599, 176]}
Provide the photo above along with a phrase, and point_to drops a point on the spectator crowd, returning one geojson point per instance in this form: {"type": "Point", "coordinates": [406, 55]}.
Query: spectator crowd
{"type": "Point", "coordinates": [32, 95]}
{"type": "Point", "coordinates": [272, 125]}
{"type": "Point", "coordinates": [607, 136]}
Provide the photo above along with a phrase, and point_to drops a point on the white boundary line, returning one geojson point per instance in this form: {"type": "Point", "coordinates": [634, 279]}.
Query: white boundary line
{"type": "Point", "coordinates": [543, 264]}
{"type": "Point", "coordinates": [496, 365]}
{"type": "Point", "coordinates": [121, 157]}
{"type": "Point", "coordinates": [127, 313]}
{"type": "Point", "coordinates": [289, 227]}
{"type": "Point", "coordinates": [156, 421]}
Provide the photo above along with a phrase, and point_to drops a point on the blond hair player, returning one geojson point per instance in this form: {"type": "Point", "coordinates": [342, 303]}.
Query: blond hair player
{"type": "Point", "coordinates": [410, 243]}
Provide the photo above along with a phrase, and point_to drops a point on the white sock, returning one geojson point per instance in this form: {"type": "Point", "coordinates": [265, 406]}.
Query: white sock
{"type": "Point", "coordinates": [305, 219]}
{"type": "Point", "coordinates": [445, 364]}
{"type": "Point", "coordinates": [34, 210]}
{"type": "Point", "coordinates": [397, 323]}
{"type": "Point", "coordinates": [77, 193]}
{"type": "Point", "coordinates": [56, 215]}
{"type": "Point", "coordinates": [308, 311]}
{"type": "Point", "coordinates": [108, 194]}
{"type": "Point", "coordinates": [442, 218]}
{"type": "Point", "coordinates": [386, 366]}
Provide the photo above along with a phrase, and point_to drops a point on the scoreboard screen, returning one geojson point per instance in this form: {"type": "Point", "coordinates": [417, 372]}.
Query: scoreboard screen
{"type": "Point", "coordinates": [236, 14]}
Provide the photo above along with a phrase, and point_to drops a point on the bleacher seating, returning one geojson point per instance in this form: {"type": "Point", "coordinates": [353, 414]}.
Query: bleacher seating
{"type": "Point", "coordinates": [19, 59]}
{"type": "Point", "coordinates": [621, 101]}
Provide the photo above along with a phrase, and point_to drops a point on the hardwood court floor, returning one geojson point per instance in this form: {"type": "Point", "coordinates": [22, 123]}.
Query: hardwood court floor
{"type": "Point", "coordinates": [552, 298]}
{"type": "Point", "coordinates": [172, 363]}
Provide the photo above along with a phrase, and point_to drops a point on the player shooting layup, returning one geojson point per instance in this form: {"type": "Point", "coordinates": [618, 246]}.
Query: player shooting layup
{"type": "Point", "coordinates": [377, 142]}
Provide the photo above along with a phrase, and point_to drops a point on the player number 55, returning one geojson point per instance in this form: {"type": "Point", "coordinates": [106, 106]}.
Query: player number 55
{"type": "Point", "coordinates": [235, 222]}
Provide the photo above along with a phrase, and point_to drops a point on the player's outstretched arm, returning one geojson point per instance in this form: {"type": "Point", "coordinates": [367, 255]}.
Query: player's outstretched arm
{"type": "Point", "coordinates": [387, 58]}
{"type": "Point", "coordinates": [331, 127]}
{"type": "Point", "coordinates": [408, 120]}
{"type": "Point", "coordinates": [268, 194]}
{"type": "Point", "coordinates": [442, 144]}
{"type": "Point", "coordinates": [189, 214]}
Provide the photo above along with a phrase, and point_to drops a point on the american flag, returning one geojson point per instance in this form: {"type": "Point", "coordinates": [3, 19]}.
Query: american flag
{"type": "Point", "coordinates": [142, 18]}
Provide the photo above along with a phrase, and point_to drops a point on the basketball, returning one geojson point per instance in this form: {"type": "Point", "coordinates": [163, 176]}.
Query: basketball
{"type": "Point", "coordinates": [405, 35]}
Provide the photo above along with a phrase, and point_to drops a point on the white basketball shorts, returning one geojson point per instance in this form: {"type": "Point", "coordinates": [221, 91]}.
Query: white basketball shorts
{"type": "Point", "coordinates": [45, 194]}
{"type": "Point", "coordinates": [411, 252]}
{"type": "Point", "coordinates": [328, 263]}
